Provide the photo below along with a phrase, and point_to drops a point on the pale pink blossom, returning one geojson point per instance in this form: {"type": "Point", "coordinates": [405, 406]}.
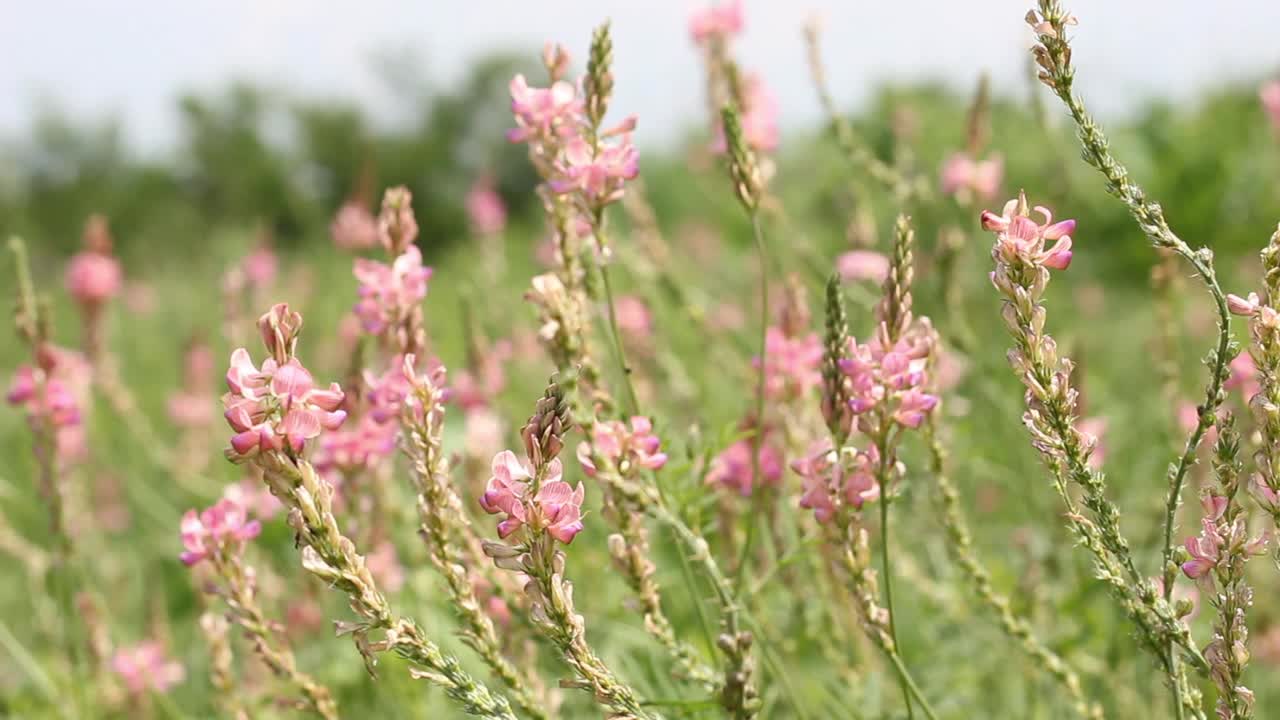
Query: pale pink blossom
{"type": "Point", "coordinates": [224, 526]}
{"type": "Point", "coordinates": [1020, 239]}
{"type": "Point", "coordinates": [862, 265]}
{"type": "Point", "coordinates": [543, 114]}
{"type": "Point", "coordinates": [1263, 493]}
{"type": "Point", "coordinates": [1270, 96]}
{"type": "Point", "coordinates": [388, 293]}
{"type": "Point", "coordinates": [354, 227]}
{"type": "Point", "coordinates": [634, 318]}
{"type": "Point", "coordinates": [145, 667]}
{"type": "Point", "coordinates": [792, 365]}
{"type": "Point", "coordinates": [964, 178]}
{"type": "Point", "coordinates": [386, 393]}
{"type": "Point", "coordinates": [483, 432]}
{"type": "Point", "coordinates": [53, 393]}
{"type": "Point", "coordinates": [276, 407]}
{"type": "Point", "coordinates": [260, 266]}
{"type": "Point", "coordinates": [384, 564]}
{"type": "Point", "coordinates": [557, 507]}
{"type": "Point", "coordinates": [1244, 375]}
{"type": "Point", "coordinates": [485, 209]}
{"type": "Point", "coordinates": [93, 277]}
{"type": "Point", "coordinates": [598, 174]}
{"type": "Point", "coordinates": [825, 479]}
{"type": "Point", "coordinates": [1094, 428]}
{"type": "Point", "coordinates": [718, 20]}
{"type": "Point", "coordinates": [891, 380]}
{"type": "Point", "coordinates": [253, 495]}
{"type": "Point", "coordinates": [627, 446]}
{"type": "Point", "coordinates": [1244, 306]}
{"type": "Point", "coordinates": [360, 447]}
{"type": "Point", "coordinates": [1205, 551]}
{"type": "Point", "coordinates": [190, 410]}
{"type": "Point", "coordinates": [758, 116]}
{"type": "Point", "coordinates": [732, 467]}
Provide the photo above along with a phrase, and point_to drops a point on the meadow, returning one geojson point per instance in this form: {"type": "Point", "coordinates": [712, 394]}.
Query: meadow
{"type": "Point", "coordinates": [931, 412]}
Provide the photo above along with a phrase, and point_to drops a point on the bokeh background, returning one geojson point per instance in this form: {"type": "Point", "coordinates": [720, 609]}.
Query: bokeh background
{"type": "Point", "coordinates": [203, 130]}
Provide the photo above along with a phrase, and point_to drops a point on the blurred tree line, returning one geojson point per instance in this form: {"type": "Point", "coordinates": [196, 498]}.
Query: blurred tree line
{"type": "Point", "coordinates": [250, 156]}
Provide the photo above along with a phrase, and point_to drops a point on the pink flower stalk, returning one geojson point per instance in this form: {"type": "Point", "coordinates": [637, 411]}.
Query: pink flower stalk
{"type": "Point", "coordinates": [386, 393]}
{"type": "Point", "coordinates": [635, 320]}
{"type": "Point", "coordinates": [1270, 96]}
{"type": "Point", "coordinates": [857, 265]}
{"type": "Point", "coordinates": [544, 115]}
{"type": "Point", "coordinates": [276, 407]}
{"type": "Point", "coordinates": [892, 381]}
{"type": "Point", "coordinates": [260, 266]}
{"type": "Point", "coordinates": [1020, 239]}
{"type": "Point", "coordinates": [1094, 429]}
{"type": "Point", "coordinates": [354, 227]}
{"type": "Point", "coordinates": [93, 277]}
{"type": "Point", "coordinates": [255, 497]}
{"type": "Point", "coordinates": [222, 527]}
{"type": "Point", "coordinates": [146, 668]}
{"type": "Point", "coordinates": [356, 448]}
{"type": "Point", "coordinates": [1205, 551]}
{"type": "Point", "coordinates": [556, 508]}
{"type": "Point", "coordinates": [792, 365]}
{"type": "Point", "coordinates": [963, 177]}
{"type": "Point", "coordinates": [598, 177]}
{"type": "Point", "coordinates": [720, 21]}
{"type": "Point", "coordinates": [53, 393]}
{"type": "Point", "coordinates": [485, 209]}
{"type": "Point", "coordinates": [385, 565]}
{"type": "Point", "coordinates": [389, 293]}
{"type": "Point", "coordinates": [626, 446]}
{"type": "Point", "coordinates": [759, 118]}
{"type": "Point", "coordinates": [825, 480]}
{"type": "Point", "coordinates": [1218, 539]}
{"type": "Point", "coordinates": [732, 467]}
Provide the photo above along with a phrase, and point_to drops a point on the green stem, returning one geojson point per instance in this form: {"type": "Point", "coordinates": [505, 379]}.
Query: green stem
{"type": "Point", "coordinates": [904, 679]}
{"type": "Point", "coordinates": [618, 352]}
{"type": "Point", "coordinates": [910, 684]}
{"type": "Point", "coordinates": [757, 434]}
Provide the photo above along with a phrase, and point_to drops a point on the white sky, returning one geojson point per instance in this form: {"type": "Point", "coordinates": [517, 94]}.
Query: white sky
{"type": "Point", "coordinates": [132, 57]}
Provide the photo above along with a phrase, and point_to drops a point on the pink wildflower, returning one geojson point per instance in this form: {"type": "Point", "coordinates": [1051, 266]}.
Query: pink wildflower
{"type": "Point", "coordinates": [557, 508]}
{"type": "Point", "coordinates": [485, 209]}
{"type": "Point", "coordinates": [276, 406]}
{"type": "Point", "coordinates": [145, 667]}
{"type": "Point", "coordinates": [732, 467]}
{"type": "Point", "coordinates": [862, 265]}
{"type": "Point", "coordinates": [356, 448]}
{"type": "Point", "coordinates": [891, 380]}
{"type": "Point", "coordinates": [598, 176]}
{"type": "Point", "coordinates": [825, 479]}
{"type": "Point", "coordinates": [1270, 95]}
{"type": "Point", "coordinates": [759, 118]}
{"type": "Point", "coordinates": [627, 447]}
{"type": "Point", "coordinates": [792, 365]}
{"type": "Point", "coordinates": [53, 393]}
{"type": "Point", "coordinates": [260, 266]}
{"type": "Point", "coordinates": [634, 318]}
{"type": "Point", "coordinates": [717, 21]}
{"type": "Point", "coordinates": [1093, 429]}
{"type": "Point", "coordinates": [1204, 550]}
{"type": "Point", "coordinates": [543, 114]}
{"type": "Point", "coordinates": [1245, 306]}
{"type": "Point", "coordinates": [225, 525]}
{"type": "Point", "coordinates": [388, 293]}
{"type": "Point", "coordinates": [1244, 375]}
{"type": "Point", "coordinates": [482, 436]}
{"type": "Point", "coordinates": [1020, 239]}
{"type": "Point", "coordinates": [385, 565]}
{"type": "Point", "coordinates": [93, 278]}
{"type": "Point", "coordinates": [963, 177]}
{"type": "Point", "coordinates": [354, 227]}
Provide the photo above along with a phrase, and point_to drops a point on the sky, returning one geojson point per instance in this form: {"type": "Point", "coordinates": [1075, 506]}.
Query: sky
{"type": "Point", "coordinates": [131, 59]}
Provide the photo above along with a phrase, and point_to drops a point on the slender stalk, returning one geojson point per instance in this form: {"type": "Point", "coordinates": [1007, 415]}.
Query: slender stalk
{"type": "Point", "coordinates": [882, 476]}
{"type": "Point", "coordinates": [619, 353]}
{"type": "Point", "coordinates": [757, 435]}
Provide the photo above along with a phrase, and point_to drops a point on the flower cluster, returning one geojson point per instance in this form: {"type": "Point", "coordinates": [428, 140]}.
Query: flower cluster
{"type": "Point", "coordinates": [831, 478]}
{"type": "Point", "coordinates": [556, 507]}
{"type": "Point", "coordinates": [1020, 240]}
{"type": "Point", "coordinates": [215, 530]}
{"type": "Point", "coordinates": [485, 209]}
{"type": "Point", "coordinates": [146, 667]}
{"type": "Point", "coordinates": [889, 380]}
{"type": "Point", "coordinates": [53, 393]}
{"type": "Point", "coordinates": [792, 364]}
{"type": "Point", "coordinates": [93, 276]}
{"type": "Point", "coordinates": [354, 227]}
{"type": "Point", "coordinates": [626, 446]}
{"type": "Point", "coordinates": [965, 178]}
{"type": "Point", "coordinates": [598, 173]}
{"type": "Point", "coordinates": [544, 116]}
{"type": "Point", "coordinates": [277, 406]}
{"type": "Point", "coordinates": [1217, 541]}
{"type": "Point", "coordinates": [390, 293]}
{"type": "Point", "coordinates": [1270, 96]}
{"type": "Point", "coordinates": [732, 468]}
{"type": "Point", "coordinates": [717, 22]}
